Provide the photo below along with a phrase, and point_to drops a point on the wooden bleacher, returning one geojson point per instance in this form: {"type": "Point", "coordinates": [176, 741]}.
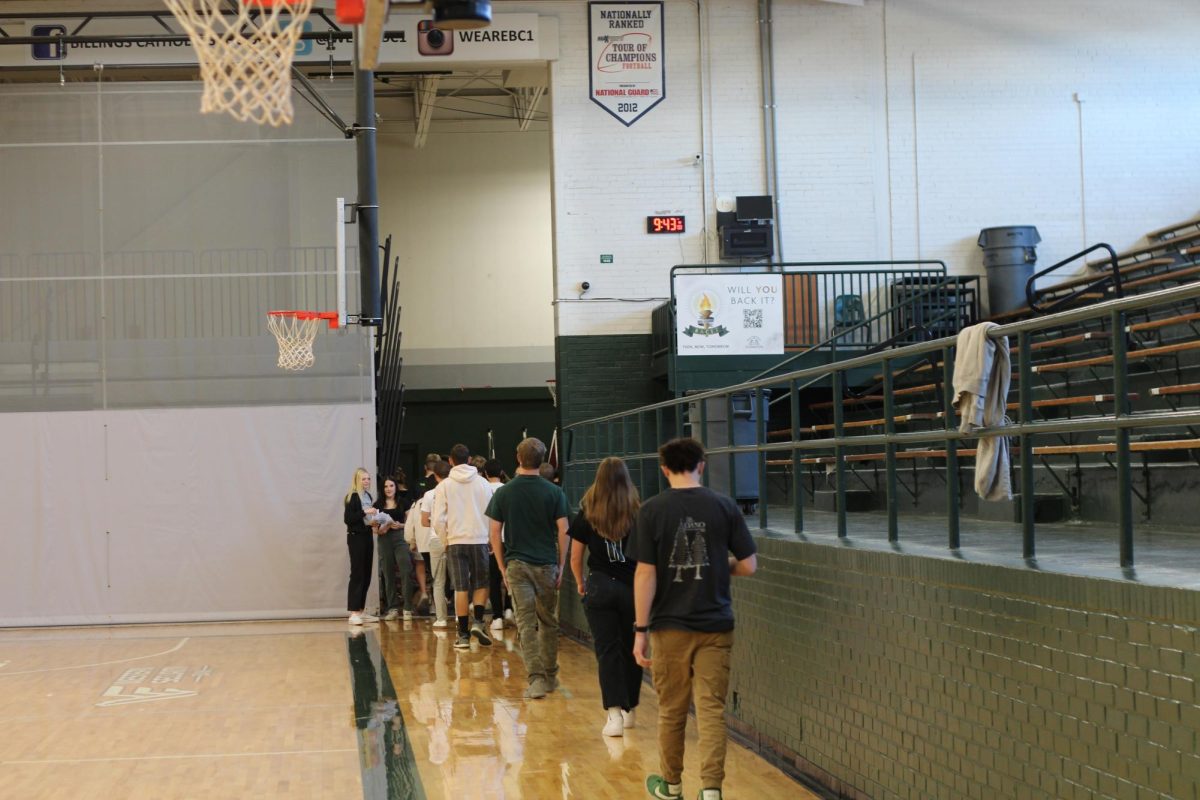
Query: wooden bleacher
{"type": "Point", "coordinates": [968, 452]}
{"type": "Point", "coordinates": [1072, 366]}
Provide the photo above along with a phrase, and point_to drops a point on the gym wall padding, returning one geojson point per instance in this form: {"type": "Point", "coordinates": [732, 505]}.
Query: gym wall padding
{"type": "Point", "coordinates": [171, 515]}
{"type": "Point", "coordinates": [142, 244]}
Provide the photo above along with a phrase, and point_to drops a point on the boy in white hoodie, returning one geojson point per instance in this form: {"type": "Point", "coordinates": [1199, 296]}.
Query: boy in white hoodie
{"type": "Point", "coordinates": [458, 519]}
{"type": "Point", "coordinates": [420, 537]}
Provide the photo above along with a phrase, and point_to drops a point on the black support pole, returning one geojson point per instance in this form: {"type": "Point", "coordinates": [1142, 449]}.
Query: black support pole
{"type": "Point", "coordinates": [370, 312]}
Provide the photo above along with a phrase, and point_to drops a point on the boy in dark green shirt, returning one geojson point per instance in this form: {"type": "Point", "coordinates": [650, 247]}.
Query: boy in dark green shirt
{"type": "Point", "coordinates": [532, 512]}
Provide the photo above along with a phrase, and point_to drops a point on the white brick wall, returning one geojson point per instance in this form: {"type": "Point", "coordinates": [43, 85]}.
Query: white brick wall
{"type": "Point", "coordinates": [904, 128]}
{"type": "Point", "coordinates": [607, 178]}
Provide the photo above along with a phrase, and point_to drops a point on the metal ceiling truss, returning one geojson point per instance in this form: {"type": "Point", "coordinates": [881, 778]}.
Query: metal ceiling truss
{"type": "Point", "coordinates": [525, 103]}
{"type": "Point", "coordinates": [425, 95]}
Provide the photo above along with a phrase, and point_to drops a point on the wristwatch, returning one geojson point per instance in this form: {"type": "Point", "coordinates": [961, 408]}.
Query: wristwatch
{"type": "Point", "coordinates": [641, 628]}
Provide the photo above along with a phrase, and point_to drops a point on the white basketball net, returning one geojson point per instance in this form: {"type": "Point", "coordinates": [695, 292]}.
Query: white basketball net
{"type": "Point", "coordinates": [295, 337]}
{"type": "Point", "coordinates": [245, 58]}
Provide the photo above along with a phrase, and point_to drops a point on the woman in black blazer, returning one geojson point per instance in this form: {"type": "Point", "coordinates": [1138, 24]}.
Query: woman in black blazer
{"type": "Point", "coordinates": [361, 544]}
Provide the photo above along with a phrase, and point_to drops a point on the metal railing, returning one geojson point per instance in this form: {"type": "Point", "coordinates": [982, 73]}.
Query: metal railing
{"type": "Point", "coordinates": [1101, 281]}
{"type": "Point", "coordinates": [634, 435]}
{"type": "Point", "coordinates": [822, 298]}
{"type": "Point", "coordinates": [927, 312]}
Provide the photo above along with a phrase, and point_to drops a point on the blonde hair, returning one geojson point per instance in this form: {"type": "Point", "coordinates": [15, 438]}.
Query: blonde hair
{"type": "Point", "coordinates": [356, 486]}
{"type": "Point", "coordinates": [611, 503]}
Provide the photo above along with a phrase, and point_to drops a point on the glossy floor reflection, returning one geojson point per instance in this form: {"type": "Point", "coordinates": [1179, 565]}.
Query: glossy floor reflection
{"type": "Point", "coordinates": [314, 710]}
{"type": "Point", "coordinates": [473, 734]}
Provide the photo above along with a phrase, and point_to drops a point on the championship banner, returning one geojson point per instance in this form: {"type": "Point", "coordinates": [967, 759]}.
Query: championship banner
{"type": "Point", "coordinates": [729, 315]}
{"type": "Point", "coordinates": [627, 77]}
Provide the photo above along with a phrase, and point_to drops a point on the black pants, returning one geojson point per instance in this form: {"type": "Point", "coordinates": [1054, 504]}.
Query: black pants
{"type": "Point", "coordinates": [495, 588]}
{"type": "Point", "coordinates": [609, 608]}
{"type": "Point", "coordinates": [362, 548]}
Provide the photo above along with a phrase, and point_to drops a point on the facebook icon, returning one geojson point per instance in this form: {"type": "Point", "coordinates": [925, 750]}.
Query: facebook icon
{"type": "Point", "coordinates": [49, 51]}
{"type": "Point", "coordinates": [304, 47]}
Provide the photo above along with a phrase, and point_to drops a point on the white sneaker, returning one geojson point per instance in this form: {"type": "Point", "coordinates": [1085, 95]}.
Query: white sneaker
{"type": "Point", "coordinates": [498, 624]}
{"type": "Point", "coordinates": [407, 615]}
{"type": "Point", "coordinates": [391, 615]}
{"type": "Point", "coordinates": [356, 619]}
{"type": "Point", "coordinates": [508, 615]}
{"type": "Point", "coordinates": [441, 623]}
{"type": "Point", "coordinates": [629, 718]}
{"type": "Point", "coordinates": [368, 617]}
{"type": "Point", "coordinates": [614, 726]}
{"type": "Point", "coordinates": [710, 794]}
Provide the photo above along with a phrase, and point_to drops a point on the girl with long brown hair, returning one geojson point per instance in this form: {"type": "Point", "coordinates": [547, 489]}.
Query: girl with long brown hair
{"type": "Point", "coordinates": [394, 554]}
{"type": "Point", "coordinates": [602, 526]}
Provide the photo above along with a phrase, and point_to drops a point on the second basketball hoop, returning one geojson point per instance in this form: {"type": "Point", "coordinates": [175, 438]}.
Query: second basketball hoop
{"type": "Point", "coordinates": [295, 331]}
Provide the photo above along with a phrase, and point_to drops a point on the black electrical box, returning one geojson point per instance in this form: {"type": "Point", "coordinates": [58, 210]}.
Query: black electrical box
{"type": "Point", "coordinates": [748, 241]}
{"type": "Point", "coordinates": [748, 232]}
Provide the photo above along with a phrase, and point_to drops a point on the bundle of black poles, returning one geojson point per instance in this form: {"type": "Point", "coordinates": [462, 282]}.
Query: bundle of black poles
{"type": "Point", "coordinates": [389, 391]}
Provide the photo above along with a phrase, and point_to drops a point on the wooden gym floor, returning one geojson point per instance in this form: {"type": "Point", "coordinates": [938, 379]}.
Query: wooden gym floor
{"type": "Point", "coordinates": [309, 710]}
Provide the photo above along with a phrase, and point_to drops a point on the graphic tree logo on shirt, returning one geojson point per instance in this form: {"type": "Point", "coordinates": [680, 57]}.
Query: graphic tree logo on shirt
{"type": "Point", "coordinates": [690, 550]}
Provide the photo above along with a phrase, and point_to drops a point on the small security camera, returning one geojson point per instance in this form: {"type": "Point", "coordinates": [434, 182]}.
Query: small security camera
{"type": "Point", "coordinates": [699, 156]}
{"type": "Point", "coordinates": [583, 287]}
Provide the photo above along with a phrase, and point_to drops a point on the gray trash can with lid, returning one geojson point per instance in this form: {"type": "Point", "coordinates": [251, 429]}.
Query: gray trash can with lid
{"type": "Point", "coordinates": [1010, 256]}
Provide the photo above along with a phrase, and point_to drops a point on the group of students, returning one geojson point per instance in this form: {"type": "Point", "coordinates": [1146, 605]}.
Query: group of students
{"type": "Point", "coordinates": [656, 593]}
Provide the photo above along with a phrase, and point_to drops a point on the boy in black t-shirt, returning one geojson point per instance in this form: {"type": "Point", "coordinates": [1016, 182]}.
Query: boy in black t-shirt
{"type": "Point", "coordinates": [688, 542]}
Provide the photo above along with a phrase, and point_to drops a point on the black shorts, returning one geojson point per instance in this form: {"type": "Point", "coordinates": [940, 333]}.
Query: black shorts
{"type": "Point", "coordinates": [468, 564]}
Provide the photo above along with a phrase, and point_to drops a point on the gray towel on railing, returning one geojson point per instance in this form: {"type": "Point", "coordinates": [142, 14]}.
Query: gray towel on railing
{"type": "Point", "coordinates": [982, 371]}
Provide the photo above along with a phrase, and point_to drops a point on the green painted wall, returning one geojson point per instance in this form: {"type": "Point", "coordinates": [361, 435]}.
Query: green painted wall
{"type": "Point", "coordinates": [891, 675]}
{"type": "Point", "coordinates": [885, 675]}
{"type": "Point", "coordinates": [600, 375]}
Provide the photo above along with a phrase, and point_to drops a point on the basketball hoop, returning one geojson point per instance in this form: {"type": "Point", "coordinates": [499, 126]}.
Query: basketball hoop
{"type": "Point", "coordinates": [552, 387]}
{"type": "Point", "coordinates": [295, 331]}
{"type": "Point", "coordinates": [245, 57]}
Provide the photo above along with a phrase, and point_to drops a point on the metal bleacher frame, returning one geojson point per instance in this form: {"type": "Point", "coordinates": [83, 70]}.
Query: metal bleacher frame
{"type": "Point", "coordinates": [635, 434]}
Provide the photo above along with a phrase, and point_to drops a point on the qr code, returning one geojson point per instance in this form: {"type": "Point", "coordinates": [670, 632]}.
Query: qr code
{"type": "Point", "coordinates": [752, 318]}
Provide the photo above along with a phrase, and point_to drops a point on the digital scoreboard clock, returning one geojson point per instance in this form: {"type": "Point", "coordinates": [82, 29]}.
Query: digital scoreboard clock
{"type": "Point", "coordinates": [665, 224]}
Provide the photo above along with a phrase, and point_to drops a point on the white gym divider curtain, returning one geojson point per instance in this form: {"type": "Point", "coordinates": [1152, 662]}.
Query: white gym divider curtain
{"type": "Point", "coordinates": [155, 463]}
{"type": "Point", "coordinates": [170, 515]}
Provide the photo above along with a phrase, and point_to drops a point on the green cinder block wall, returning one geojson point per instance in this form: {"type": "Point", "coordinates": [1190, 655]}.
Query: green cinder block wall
{"type": "Point", "coordinates": [883, 675]}
{"type": "Point", "coordinates": [600, 375]}
{"type": "Point", "coordinates": [887, 675]}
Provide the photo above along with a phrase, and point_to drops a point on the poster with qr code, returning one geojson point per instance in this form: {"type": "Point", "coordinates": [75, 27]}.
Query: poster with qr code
{"type": "Point", "coordinates": [729, 315]}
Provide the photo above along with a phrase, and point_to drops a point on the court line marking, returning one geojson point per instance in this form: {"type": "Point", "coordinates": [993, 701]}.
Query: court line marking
{"type": "Point", "coordinates": [181, 756]}
{"type": "Point", "coordinates": [176, 648]}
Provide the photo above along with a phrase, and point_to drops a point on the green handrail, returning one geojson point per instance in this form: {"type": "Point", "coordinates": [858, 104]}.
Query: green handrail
{"type": "Point", "coordinates": [1121, 423]}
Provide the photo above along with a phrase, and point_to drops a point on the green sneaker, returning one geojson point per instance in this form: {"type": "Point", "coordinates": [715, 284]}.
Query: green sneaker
{"type": "Point", "coordinates": [657, 786]}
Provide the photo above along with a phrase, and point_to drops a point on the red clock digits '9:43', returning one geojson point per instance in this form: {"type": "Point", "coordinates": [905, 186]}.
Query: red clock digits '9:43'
{"type": "Point", "coordinates": [665, 224]}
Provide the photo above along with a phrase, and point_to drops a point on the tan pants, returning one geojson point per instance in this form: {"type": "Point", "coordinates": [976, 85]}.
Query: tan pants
{"type": "Point", "coordinates": [684, 664]}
